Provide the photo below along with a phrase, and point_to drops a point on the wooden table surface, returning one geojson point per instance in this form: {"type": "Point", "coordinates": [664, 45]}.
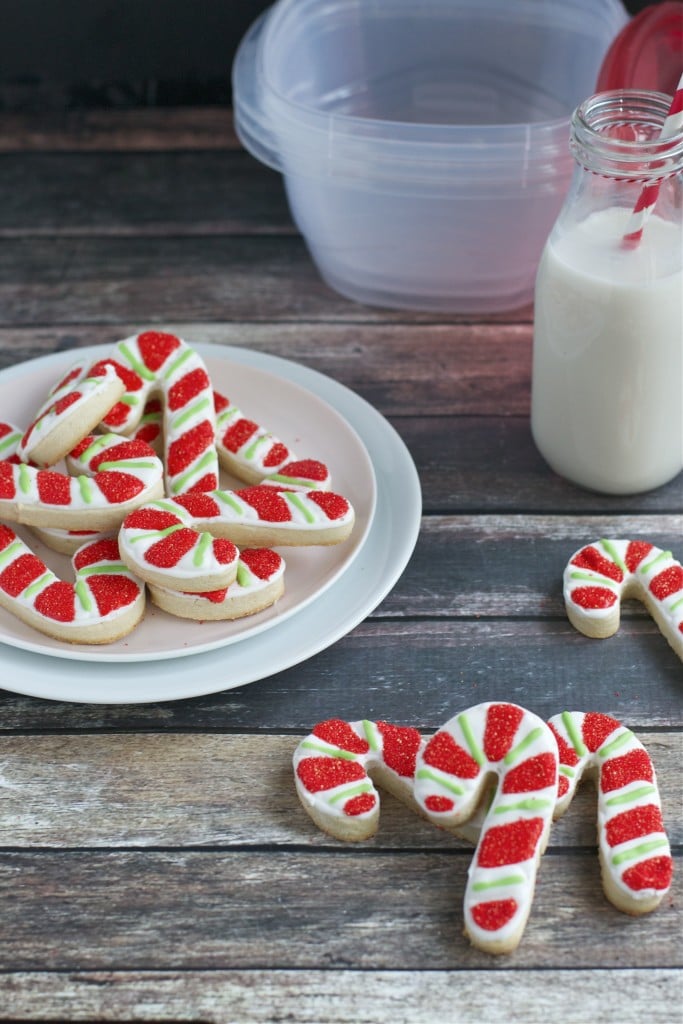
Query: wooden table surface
{"type": "Point", "coordinates": [155, 864]}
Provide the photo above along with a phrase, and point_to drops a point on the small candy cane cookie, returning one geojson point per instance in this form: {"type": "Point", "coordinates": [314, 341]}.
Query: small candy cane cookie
{"type": "Point", "coordinates": [73, 409]}
{"type": "Point", "coordinates": [159, 543]}
{"type": "Point", "coordinates": [259, 584]}
{"type": "Point", "coordinates": [452, 775]}
{"type": "Point", "coordinates": [332, 769]}
{"type": "Point", "coordinates": [265, 517]}
{"type": "Point", "coordinates": [155, 364]}
{"type": "Point", "coordinates": [104, 604]}
{"type": "Point", "coordinates": [635, 857]}
{"type": "Point", "coordinates": [601, 574]}
{"type": "Point", "coordinates": [126, 474]}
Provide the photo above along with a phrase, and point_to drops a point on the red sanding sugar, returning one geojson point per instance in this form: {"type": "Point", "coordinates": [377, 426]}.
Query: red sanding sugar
{"type": "Point", "coordinates": [200, 505]}
{"type": "Point", "coordinates": [655, 873]}
{"type": "Point", "coordinates": [340, 734]}
{"type": "Point", "coordinates": [639, 821]}
{"type": "Point", "coordinates": [155, 348]}
{"type": "Point", "coordinates": [20, 574]}
{"type": "Point", "coordinates": [401, 745]}
{"type": "Point", "coordinates": [593, 597]}
{"type": "Point", "coordinates": [7, 486]}
{"type": "Point", "coordinates": [57, 602]}
{"type": "Point", "coordinates": [492, 916]}
{"type": "Point", "coordinates": [106, 550]}
{"type": "Point", "coordinates": [596, 728]}
{"type": "Point", "coordinates": [502, 722]}
{"type": "Point", "coordinates": [261, 561]}
{"type": "Point", "coordinates": [439, 804]}
{"type": "Point", "coordinates": [187, 388]}
{"type": "Point", "coordinates": [333, 505]}
{"type": "Point", "coordinates": [112, 592]}
{"type": "Point", "coordinates": [635, 553]}
{"type": "Point", "coordinates": [7, 536]}
{"type": "Point", "coordinates": [444, 753]}
{"type": "Point", "coordinates": [267, 502]}
{"type": "Point", "coordinates": [568, 755]}
{"type": "Point", "coordinates": [53, 488]}
{"type": "Point", "coordinates": [359, 804]}
{"type": "Point", "coordinates": [187, 448]}
{"type": "Point", "coordinates": [168, 551]}
{"type": "Point", "coordinates": [320, 773]}
{"type": "Point", "coordinates": [118, 487]}
{"type": "Point", "coordinates": [667, 583]}
{"type": "Point", "coordinates": [620, 771]}
{"type": "Point", "coordinates": [238, 434]}
{"type": "Point", "coordinates": [511, 843]}
{"type": "Point", "coordinates": [535, 773]}
{"type": "Point", "coordinates": [224, 551]}
{"type": "Point", "coordinates": [275, 456]}
{"type": "Point", "coordinates": [590, 558]}
{"type": "Point", "coordinates": [150, 519]}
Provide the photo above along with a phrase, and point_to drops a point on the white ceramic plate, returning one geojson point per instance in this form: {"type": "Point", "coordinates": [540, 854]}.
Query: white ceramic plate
{"type": "Point", "coordinates": [307, 424]}
{"type": "Point", "coordinates": [369, 576]}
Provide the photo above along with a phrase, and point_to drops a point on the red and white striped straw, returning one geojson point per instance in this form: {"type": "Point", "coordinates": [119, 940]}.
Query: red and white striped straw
{"type": "Point", "coordinates": [647, 199]}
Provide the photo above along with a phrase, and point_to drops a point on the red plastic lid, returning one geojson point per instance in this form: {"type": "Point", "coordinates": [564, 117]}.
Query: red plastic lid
{"type": "Point", "coordinates": [648, 52]}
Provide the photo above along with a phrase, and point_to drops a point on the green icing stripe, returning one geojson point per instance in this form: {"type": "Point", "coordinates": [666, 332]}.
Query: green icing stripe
{"type": "Point", "coordinates": [180, 484]}
{"type": "Point", "coordinates": [189, 413]}
{"type": "Point", "coordinates": [676, 605]}
{"type": "Point", "coordinates": [126, 464]}
{"type": "Point", "coordinates": [631, 797]}
{"type": "Point", "coordinates": [472, 744]}
{"type": "Point", "coordinates": [15, 548]}
{"type": "Point", "coordinates": [258, 442]}
{"type": "Point", "coordinates": [24, 479]}
{"type": "Point", "coordinates": [614, 554]}
{"type": "Point", "coordinates": [530, 804]}
{"type": "Point", "coordinates": [593, 577]}
{"type": "Point", "coordinates": [232, 502]}
{"type": "Point", "coordinates": [345, 755]}
{"type": "Point", "coordinates": [129, 400]}
{"type": "Point", "coordinates": [85, 488]}
{"type": "Point", "coordinates": [570, 725]}
{"type": "Point", "coordinates": [516, 752]}
{"type": "Point", "coordinates": [244, 577]}
{"type": "Point", "coordinates": [181, 359]}
{"type": "Point", "coordinates": [344, 794]}
{"type": "Point", "coordinates": [453, 787]}
{"type": "Point", "coordinates": [201, 548]}
{"type": "Point", "coordinates": [499, 883]}
{"type": "Point", "coordinates": [38, 585]}
{"type": "Point", "coordinates": [115, 568]}
{"type": "Point", "coordinates": [566, 770]}
{"type": "Point", "coordinates": [280, 478]}
{"type": "Point", "coordinates": [137, 363]}
{"type": "Point", "coordinates": [370, 731]}
{"type": "Point", "coordinates": [93, 449]}
{"type": "Point", "coordinates": [662, 555]}
{"type": "Point", "coordinates": [297, 502]}
{"type": "Point", "coordinates": [157, 533]}
{"type": "Point", "coordinates": [616, 744]}
{"type": "Point", "coordinates": [639, 851]}
{"type": "Point", "coordinates": [9, 440]}
{"type": "Point", "coordinates": [83, 595]}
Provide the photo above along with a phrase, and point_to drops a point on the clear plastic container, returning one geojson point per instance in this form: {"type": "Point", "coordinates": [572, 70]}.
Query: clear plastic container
{"type": "Point", "coordinates": [423, 145]}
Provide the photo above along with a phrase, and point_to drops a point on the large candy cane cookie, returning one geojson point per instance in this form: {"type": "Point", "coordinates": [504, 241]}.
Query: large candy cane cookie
{"type": "Point", "coordinates": [635, 857]}
{"type": "Point", "coordinates": [158, 364]}
{"type": "Point", "coordinates": [126, 474]}
{"type": "Point", "coordinates": [333, 768]}
{"type": "Point", "coordinates": [258, 585]}
{"type": "Point", "coordinates": [451, 777]}
{"type": "Point", "coordinates": [601, 574]}
{"type": "Point", "coordinates": [75, 406]}
{"type": "Point", "coordinates": [160, 544]}
{"type": "Point", "coordinates": [104, 603]}
{"type": "Point", "coordinates": [262, 516]}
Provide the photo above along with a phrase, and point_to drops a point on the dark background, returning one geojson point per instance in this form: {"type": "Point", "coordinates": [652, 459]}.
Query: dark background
{"type": "Point", "coordinates": [69, 54]}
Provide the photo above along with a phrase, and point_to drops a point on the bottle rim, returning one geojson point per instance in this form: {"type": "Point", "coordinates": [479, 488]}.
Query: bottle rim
{"type": "Point", "coordinates": [617, 134]}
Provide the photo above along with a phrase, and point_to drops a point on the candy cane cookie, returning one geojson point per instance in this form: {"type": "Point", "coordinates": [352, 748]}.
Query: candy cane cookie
{"type": "Point", "coordinates": [155, 364]}
{"type": "Point", "coordinates": [452, 775]}
{"type": "Point", "coordinates": [599, 576]}
{"type": "Point", "coordinates": [334, 769]}
{"type": "Point", "coordinates": [126, 474]}
{"type": "Point", "coordinates": [73, 408]}
{"type": "Point", "coordinates": [635, 857]}
{"type": "Point", "coordinates": [258, 585]}
{"type": "Point", "coordinates": [105, 603]}
{"type": "Point", "coordinates": [262, 516]}
{"type": "Point", "coordinates": [160, 544]}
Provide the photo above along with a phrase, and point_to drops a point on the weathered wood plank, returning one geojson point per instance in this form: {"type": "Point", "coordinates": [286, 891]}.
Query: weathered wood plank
{"type": "Point", "coordinates": [415, 672]}
{"type": "Point", "coordinates": [151, 790]}
{"type": "Point", "coordinates": [140, 129]}
{"type": "Point", "coordinates": [163, 193]}
{"type": "Point", "coordinates": [92, 910]}
{"type": "Point", "coordinates": [109, 280]}
{"type": "Point", "coordinates": [316, 996]}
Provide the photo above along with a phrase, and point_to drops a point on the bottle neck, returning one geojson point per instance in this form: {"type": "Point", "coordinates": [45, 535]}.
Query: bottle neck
{"type": "Point", "coordinates": [621, 135]}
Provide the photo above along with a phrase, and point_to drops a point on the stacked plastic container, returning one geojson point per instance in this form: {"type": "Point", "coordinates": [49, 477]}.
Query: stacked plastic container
{"type": "Point", "coordinates": [424, 145]}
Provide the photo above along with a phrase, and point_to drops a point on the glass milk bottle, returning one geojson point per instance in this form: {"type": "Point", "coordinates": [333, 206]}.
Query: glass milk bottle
{"type": "Point", "coordinates": [607, 379]}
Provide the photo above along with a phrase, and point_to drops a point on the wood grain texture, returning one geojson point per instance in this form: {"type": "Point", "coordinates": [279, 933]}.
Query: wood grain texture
{"type": "Point", "coordinates": [319, 996]}
{"type": "Point", "coordinates": [372, 910]}
{"type": "Point", "coordinates": [151, 790]}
